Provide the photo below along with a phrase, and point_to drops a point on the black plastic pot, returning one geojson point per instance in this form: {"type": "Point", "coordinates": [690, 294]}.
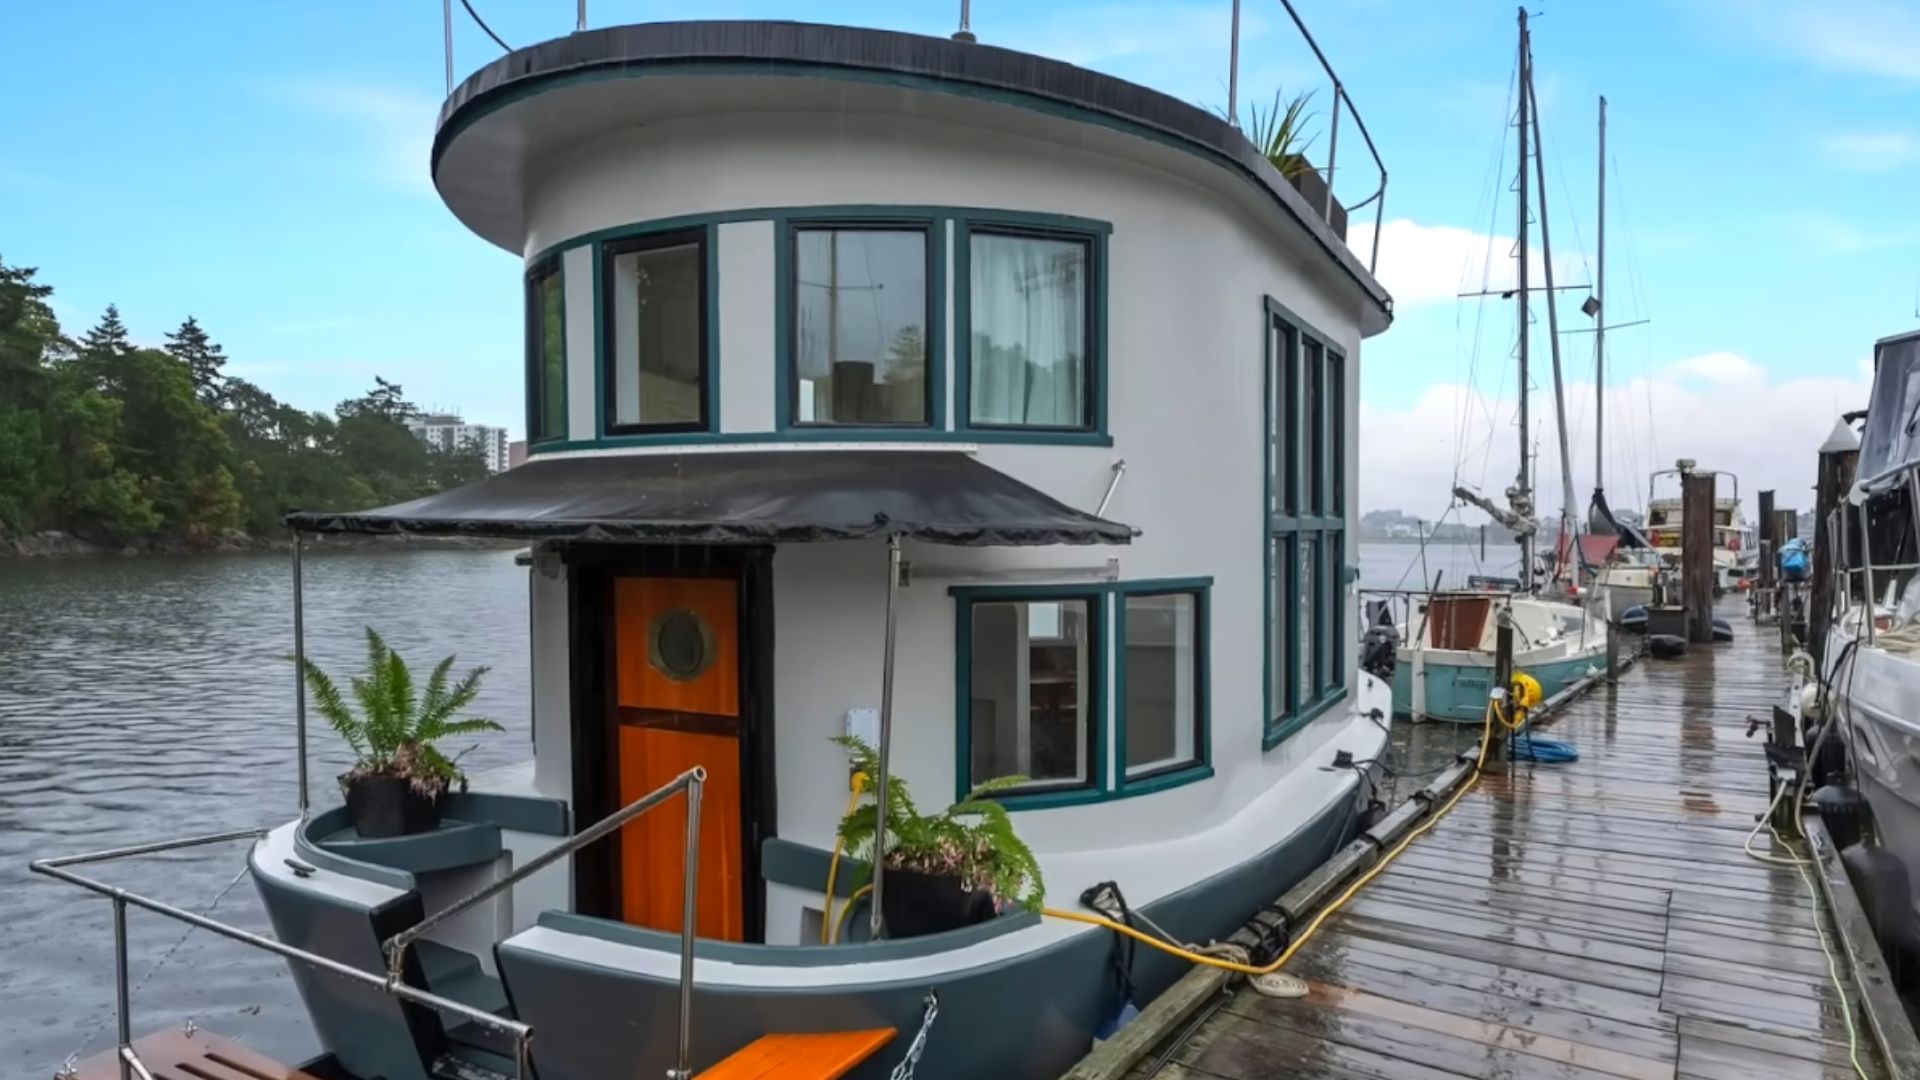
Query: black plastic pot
{"type": "Point", "coordinates": [916, 904]}
{"type": "Point", "coordinates": [389, 806]}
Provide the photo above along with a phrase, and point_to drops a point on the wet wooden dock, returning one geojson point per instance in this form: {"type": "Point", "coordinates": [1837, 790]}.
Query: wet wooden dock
{"type": "Point", "coordinates": [1594, 919]}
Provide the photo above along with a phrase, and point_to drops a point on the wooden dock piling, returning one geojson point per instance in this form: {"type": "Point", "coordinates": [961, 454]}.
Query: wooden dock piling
{"type": "Point", "coordinates": [1582, 921]}
{"type": "Point", "coordinates": [1696, 555]}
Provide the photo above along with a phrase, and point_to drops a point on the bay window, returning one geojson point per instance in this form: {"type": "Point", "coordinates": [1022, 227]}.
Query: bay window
{"type": "Point", "coordinates": [861, 294]}
{"type": "Point", "coordinates": [1029, 317]}
{"type": "Point", "coordinates": [546, 352]}
{"type": "Point", "coordinates": [656, 372]}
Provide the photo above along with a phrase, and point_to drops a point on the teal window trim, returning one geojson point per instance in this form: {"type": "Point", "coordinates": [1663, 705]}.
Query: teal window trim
{"type": "Point", "coordinates": [1094, 234]}
{"type": "Point", "coordinates": [536, 276]}
{"type": "Point", "coordinates": [1094, 789]}
{"type": "Point", "coordinates": [787, 224]}
{"type": "Point", "coordinates": [1180, 773]}
{"type": "Point", "coordinates": [1106, 602]}
{"type": "Point", "coordinates": [1297, 507]}
{"type": "Point", "coordinates": [706, 236]}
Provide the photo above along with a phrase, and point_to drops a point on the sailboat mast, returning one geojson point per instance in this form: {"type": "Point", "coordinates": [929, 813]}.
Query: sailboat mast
{"type": "Point", "coordinates": [1567, 529]}
{"type": "Point", "coordinates": [1600, 323]}
{"type": "Point", "coordinates": [1521, 498]}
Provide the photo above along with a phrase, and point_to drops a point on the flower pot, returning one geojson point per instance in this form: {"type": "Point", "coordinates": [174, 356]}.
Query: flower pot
{"type": "Point", "coordinates": [389, 806]}
{"type": "Point", "coordinates": [916, 904]}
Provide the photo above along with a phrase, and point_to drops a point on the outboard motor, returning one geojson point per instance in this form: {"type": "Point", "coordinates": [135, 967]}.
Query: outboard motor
{"type": "Point", "coordinates": [1378, 649]}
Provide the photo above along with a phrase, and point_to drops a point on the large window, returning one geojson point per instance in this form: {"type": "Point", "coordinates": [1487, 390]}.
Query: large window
{"type": "Point", "coordinates": [1305, 404]}
{"type": "Point", "coordinates": [1035, 665]}
{"type": "Point", "coordinates": [861, 294]}
{"type": "Point", "coordinates": [1029, 330]}
{"type": "Point", "coordinates": [546, 353]}
{"type": "Point", "coordinates": [656, 350]}
{"type": "Point", "coordinates": [1162, 683]}
{"type": "Point", "coordinates": [1031, 693]}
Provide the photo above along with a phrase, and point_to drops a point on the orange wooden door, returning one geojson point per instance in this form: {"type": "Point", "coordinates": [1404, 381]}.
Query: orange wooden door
{"type": "Point", "coordinates": [677, 705]}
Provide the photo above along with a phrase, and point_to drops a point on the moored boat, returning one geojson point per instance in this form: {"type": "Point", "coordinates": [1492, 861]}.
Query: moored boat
{"type": "Point", "coordinates": [1444, 667]}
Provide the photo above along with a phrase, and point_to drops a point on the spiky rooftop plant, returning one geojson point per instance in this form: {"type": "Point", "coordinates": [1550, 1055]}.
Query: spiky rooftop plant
{"type": "Point", "coordinates": [396, 731]}
{"type": "Point", "coordinates": [972, 840]}
{"type": "Point", "coordinates": [1280, 132]}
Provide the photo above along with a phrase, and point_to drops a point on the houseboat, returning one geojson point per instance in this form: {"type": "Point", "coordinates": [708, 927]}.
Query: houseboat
{"type": "Point", "coordinates": [993, 410]}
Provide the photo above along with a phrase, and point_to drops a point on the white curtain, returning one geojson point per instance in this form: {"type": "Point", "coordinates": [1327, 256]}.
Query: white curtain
{"type": "Point", "coordinates": [1028, 300]}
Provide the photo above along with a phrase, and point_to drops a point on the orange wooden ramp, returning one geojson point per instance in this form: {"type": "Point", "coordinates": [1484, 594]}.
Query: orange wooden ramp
{"type": "Point", "coordinates": [179, 1055]}
{"type": "Point", "coordinates": [816, 1056]}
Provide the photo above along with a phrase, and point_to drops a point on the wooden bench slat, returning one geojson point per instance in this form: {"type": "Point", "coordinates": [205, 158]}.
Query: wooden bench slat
{"type": "Point", "coordinates": [825, 1055]}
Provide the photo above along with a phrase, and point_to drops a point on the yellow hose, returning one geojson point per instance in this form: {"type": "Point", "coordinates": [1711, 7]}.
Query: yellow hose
{"type": "Point", "coordinates": [858, 783]}
{"type": "Point", "coordinates": [1486, 739]}
{"type": "Point", "coordinates": [840, 923]}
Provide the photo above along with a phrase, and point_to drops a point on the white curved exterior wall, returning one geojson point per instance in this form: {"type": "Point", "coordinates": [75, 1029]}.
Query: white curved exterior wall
{"type": "Point", "coordinates": [1190, 260]}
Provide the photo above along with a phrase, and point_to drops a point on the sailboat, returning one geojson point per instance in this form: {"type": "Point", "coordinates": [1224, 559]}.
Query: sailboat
{"type": "Point", "coordinates": [1626, 568]}
{"type": "Point", "coordinates": [1445, 662]}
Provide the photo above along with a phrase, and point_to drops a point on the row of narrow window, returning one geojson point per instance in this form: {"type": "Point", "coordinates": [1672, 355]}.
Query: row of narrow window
{"type": "Point", "coordinates": [860, 300]}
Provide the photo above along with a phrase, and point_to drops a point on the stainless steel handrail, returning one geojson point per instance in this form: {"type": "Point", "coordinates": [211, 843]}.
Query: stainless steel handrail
{"type": "Point", "coordinates": [693, 782]}
{"type": "Point", "coordinates": [122, 898]}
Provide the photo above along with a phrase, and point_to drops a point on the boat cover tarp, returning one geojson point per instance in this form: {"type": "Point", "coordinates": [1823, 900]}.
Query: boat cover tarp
{"type": "Point", "coordinates": [944, 497]}
{"type": "Point", "coordinates": [1601, 522]}
{"type": "Point", "coordinates": [1594, 550]}
{"type": "Point", "coordinates": [1891, 441]}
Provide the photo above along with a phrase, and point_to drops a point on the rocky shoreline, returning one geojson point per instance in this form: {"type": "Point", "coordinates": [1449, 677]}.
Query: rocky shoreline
{"type": "Point", "coordinates": [59, 545]}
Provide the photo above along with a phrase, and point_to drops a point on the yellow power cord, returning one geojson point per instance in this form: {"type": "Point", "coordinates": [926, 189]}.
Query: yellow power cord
{"type": "Point", "coordinates": [859, 784]}
{"type": "Point", "coordinates": [1486, 739]}
{"type": "Point", "coordinates": [840, 923]}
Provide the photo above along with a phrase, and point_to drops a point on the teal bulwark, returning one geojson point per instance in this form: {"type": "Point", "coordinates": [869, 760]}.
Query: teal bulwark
{"type": "Point", "coordinates": [1457, 693]}
{"type": "Point", "coordinates": [1107, 617]}
{"type": "Point", "coordinates": [946, 350]}
{"type": "Point", "coordinates": [1303, 410]}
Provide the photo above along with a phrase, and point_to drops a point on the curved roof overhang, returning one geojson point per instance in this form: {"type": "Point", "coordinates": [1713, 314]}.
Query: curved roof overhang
{"type": "Point", "coordinates": [533, 101]}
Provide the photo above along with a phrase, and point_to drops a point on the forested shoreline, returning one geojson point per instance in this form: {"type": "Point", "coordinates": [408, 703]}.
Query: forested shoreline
{"type": "Point", "coordinates": [114, 446]}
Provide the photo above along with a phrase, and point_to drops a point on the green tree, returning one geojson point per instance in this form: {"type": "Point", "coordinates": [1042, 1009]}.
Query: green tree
{"type": "Point", "coordinates": [104, 349]}
{"type": "Point", "coordinates": [204, 358]}
{"type": "Point", "coordinates": [175, 443]}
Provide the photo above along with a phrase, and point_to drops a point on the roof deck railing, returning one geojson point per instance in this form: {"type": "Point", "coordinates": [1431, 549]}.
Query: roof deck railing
{"type": "Point", "coordinates": [1343, 105]}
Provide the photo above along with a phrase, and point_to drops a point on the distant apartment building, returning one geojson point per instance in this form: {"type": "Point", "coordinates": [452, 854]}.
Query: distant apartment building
{"type": "Point", "coordinates": [448, 431]}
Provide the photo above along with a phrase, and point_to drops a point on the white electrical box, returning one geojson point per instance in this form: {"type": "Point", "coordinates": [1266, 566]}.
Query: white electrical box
{"type": "Point", "coordinates": [864, 724]}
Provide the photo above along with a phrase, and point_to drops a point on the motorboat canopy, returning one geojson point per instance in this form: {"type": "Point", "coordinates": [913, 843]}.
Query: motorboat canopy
{"type": "Point", "coordinates": [1890, 443]}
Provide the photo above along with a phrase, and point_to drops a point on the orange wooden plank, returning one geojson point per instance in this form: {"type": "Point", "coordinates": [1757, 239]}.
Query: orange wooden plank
{"type": "Point", "coordinates": [823, 1055]}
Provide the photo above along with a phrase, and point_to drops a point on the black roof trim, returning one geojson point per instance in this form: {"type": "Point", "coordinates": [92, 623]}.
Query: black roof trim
{"type": "Point", "coordinates": [749, 43]}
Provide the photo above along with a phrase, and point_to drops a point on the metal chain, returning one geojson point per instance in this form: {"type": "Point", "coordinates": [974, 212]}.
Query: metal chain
{"type": "Point", "coordinates": [71, 1066]}
{"type": "Point", "coordinates": [904, 1070]}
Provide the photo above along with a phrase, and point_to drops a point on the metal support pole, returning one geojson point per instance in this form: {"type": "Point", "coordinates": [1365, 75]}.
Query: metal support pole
{"type": "Point", "coordinates": [1503, 683]}
{"type": "Point", "coordinates": [965, 33]}
{"type": "Point", "coordinates": [876, 922]}
{"type": "Point", "coordinates": [1868, 614]}
{"type": "Point", "coordinates": [446, 21]}
{"type": "Point", "coordinates": [1233, 70]}
{"type": "Point", "coordinates": [1119, 470]}
{"type": "Point", "coordinates": [1333, 150]}
{"type": "Point", "coordinates": [300, 673]}
{"type": "Point", "coordinates": [689, 918]}
{"type": "Point", "coordinates": [580, 19]}
{"type": "Point", "coordinates": [122, 993]}
{"type": "Point", "coordinates": [1379, 216]}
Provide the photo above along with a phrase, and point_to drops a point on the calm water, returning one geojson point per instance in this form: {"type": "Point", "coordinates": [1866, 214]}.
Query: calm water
{"type": "Point", "coordinates": [149, 698]}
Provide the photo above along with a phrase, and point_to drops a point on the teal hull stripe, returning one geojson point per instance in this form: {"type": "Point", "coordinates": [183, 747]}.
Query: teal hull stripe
{"type": "Point", "coordinates": [1458, 693]}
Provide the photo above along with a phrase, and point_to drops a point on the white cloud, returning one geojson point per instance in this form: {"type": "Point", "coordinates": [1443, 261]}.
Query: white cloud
{"type": "Point", "coordinates": [391, 128]}
{"type": "Point", "coordinates": [1424, 263]}
{"type": "Point", "coordinates": [1851, 37]}
{"type": "Point", "coordinates": [1871, 150]}
{"type": "Point", "coordinates": [1720, 409]}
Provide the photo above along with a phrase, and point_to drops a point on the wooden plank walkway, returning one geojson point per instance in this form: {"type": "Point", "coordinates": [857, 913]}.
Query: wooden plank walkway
{"type": "Point", "coordinates": [1595, 919]}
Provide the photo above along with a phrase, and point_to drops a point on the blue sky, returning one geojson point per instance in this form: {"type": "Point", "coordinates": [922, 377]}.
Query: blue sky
{"type": "Point", "coordinates": [262, 166]}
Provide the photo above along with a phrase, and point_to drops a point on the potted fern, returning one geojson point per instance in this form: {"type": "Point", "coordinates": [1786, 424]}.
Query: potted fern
{"type": "Point", "coordinates": [944, 871]}
{"type": "Point", "coordinates": [400, 776]}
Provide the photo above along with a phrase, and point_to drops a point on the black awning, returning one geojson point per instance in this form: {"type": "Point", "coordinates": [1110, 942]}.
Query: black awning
{"type": "Point", "coordinates": [940, 496]}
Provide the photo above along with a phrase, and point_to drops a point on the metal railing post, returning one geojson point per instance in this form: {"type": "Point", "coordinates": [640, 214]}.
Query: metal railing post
{"type": "Point", "coordinates": [580, 21]}
{"type": "Point", "coordinates": [1871, 613]}
{"type": "Point", "coordinates": [1379, 222]}
{"type": "Point", "coordinates": [122, 991]}
{"type": "Point", "coordinates": [1333, 150]}
{"type": "Point", "coordinates": [446, 21]}
{"type": "Point", "coordinates": [689, 918]}
{"type": "Point", "coordinates": [300, 672]}
{"type": "Point", "coordinates": [1233, 70]}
